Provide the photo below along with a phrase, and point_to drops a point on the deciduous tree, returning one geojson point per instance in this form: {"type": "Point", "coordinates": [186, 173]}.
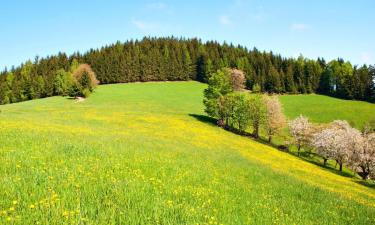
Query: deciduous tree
{"type": "Point", "coordinates": [275, 118]}
{"type": "Point", "coordinates": [300, 129]}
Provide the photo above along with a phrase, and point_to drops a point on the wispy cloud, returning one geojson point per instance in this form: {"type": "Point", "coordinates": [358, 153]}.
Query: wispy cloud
{"type": "Point", "coordinates": [225, 20]}
{"type": "Point", "coordinates": [157, 6]}
{"type": "Point", "coordinates": [366, 58]}
{"type": "Point", "coordinates": [145, 25]}
{"type": "Point", "coordinates": [299, 26]}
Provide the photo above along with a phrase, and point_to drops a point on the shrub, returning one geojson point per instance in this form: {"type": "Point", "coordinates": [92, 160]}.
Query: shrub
{"type": "Point", "coordinates": [84, 81]}
{"type": "Point", "coordinates": [86, 92]}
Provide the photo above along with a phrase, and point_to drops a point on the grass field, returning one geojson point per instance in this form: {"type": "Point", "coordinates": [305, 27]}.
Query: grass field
{"type": "Point", "coordinates": [144, 153]}
{"type": "Point", "coordinates": [324, 109]}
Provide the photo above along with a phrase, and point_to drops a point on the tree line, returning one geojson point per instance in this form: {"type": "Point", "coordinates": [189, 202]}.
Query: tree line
{"type": "Point", "coordinates": [79, 80]}
{"type": "Point", "coordinates": [174, 59]}
{"type": "Point", "coordinates": [241, 111]}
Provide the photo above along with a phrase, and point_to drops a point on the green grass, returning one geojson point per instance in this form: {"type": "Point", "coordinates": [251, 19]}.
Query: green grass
{"type": "Point", "coordinates": [144, 153]}
{"type": "Point", "coordinates": [324, 109]}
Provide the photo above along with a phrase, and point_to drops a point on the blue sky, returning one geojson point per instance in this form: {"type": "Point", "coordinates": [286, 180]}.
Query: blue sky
{"type": "Point", "coordinates": [330, 28]}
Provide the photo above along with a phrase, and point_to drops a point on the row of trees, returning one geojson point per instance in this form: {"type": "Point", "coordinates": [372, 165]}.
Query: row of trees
{"type": "Point", "coordinates": [337, 141]}
{"type": "Point", "coordinates": [228, 101]}
{"type": "Point", "coordinates": [236, 109]}
{"type": "Point", "coordinates": [160, 59]}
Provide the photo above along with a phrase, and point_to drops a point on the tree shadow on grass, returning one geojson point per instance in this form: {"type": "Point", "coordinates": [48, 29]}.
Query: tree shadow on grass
{"type": "Point", "coordinates": [308, 157]}
{"type": "Point", "coordinates": [204, 119]}
{"type": "Point", "coordinates": [370, 184]}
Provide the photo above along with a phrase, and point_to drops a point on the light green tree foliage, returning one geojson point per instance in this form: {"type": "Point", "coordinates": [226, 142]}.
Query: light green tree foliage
{"type": "Point", "coordinates": [342, 73]}
{"type": "Point", "coordinates": [234, 110]}
{"type": "Point", "coordinates": [39, 86]}
{"type": "Point", "coordinates": [257, 112]}
{"type": "Point", "coordinates": [256, 88]}
{"type": "Point", "coordinates": [27, 90]}
{"type": "Point", "coordinates": [62, 83]}
{"type": "Point", "coordinates": [74, 65]}
{"type": "Point", "coordinates": [219, 85]}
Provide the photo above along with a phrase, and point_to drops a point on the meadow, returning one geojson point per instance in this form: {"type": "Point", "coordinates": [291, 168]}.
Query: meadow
{"type": "Point", "coordinates": [144, 153]}
{"type": "Point", "coordinates": [324, 109]}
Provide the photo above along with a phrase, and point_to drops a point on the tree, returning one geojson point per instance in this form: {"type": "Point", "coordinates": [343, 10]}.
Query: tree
{"type": "Point", "coordinates": [74, 65]}
{"type": "Point", "coordinates": [324, 143]}
{"type": "Point", "coordinates": [273, 84]}
{"type": "Point", "coordinates": [84, 80]}
{"type": "Point", "coordinates": [275, 119]}
{"type": "Point", "coordinates": [257, 112]}
{"type": "Point", "coordinates": [218, 85]}
{"type": "Point", "coordinates": [234, 110]}
{"type": "Point", "coordinates": [300, 129]}
{"type": "Point", "coordinates": [339, 142]}
{"type": "Point", "coordinates": [326, 85]}
{"type": "Point", "coordinates": [364, 157]}
{"type": "Point", "coordinates": [62, 82]}
{"type": "Point", "coordinates": [237, 79]}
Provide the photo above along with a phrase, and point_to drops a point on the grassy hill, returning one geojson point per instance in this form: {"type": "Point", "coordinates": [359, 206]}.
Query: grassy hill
{"type": "Point", "coordinates": [144, 153]}
{"type": "Point", "coordinates": [324, 109]}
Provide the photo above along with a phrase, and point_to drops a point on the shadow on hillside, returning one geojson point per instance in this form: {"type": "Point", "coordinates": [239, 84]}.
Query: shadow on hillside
{"type": "Point", "coordinates": [366, 183]}
{"type": "Point", "coordinates": [312, 157]}
{"type": "Point", "coordinates": [308, 157]}
{"type": "Point", "coordinates": [204, 119]}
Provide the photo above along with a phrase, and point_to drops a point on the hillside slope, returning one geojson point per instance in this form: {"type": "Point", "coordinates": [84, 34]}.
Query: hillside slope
{"type": "Point", "coordinates": [324, 109]}
{"type": "Point", "coordinates": [143, 153]}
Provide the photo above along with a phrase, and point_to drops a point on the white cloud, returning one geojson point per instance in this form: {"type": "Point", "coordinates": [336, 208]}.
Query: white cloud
{"type": "Point", "coordinates": [298, 26]}
{"type": "Point", "coordinates": [225, 20]}
{"type": "Point", "coordinates": [143, 25]}
{"type": "Point", "coordinates": [157, 6]}
{"type": "Point", "coordinates": [366, 58]}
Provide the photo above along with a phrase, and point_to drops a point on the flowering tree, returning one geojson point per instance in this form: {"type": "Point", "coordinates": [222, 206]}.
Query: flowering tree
{"type": "Point", "coordinates": [324, 143]}
{"type": "Point", "coordinates": [300, 129]}
{"type": "Point", "coordinates": [275, 119]}
{"type": "Point", "coordinates": [347, 141]}
{"type": "Point", "coordinates": [364, 158]}
{"type": "Point", "coordinates": [339, 142]}
{"type": "Point", "coordinates": [237, 78]}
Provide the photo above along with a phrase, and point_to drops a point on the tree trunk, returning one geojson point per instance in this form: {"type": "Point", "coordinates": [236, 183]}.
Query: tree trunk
{"type": "Point", "coordinates": [256, 132]}
{"type": "Point", "coordinates": [364, 173]}
{"type": "Point", "coordinates": [325, 161]}
{"type": "Point", "coordinates": [340, 167]}
{"type": "Point", "coordinates": [269, 139]}
{"type": "Point", "coordinates": [299, 148]}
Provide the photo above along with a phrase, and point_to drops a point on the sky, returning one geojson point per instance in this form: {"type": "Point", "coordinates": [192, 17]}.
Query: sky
{"type": "Point", "coordinates": [319, 28]}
